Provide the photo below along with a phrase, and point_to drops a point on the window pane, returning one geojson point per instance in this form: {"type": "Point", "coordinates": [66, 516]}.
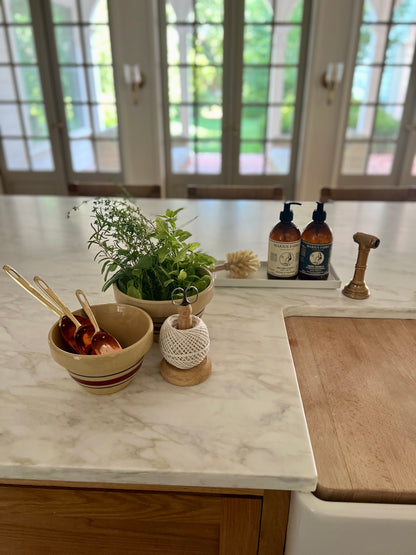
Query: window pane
{"type": "Point", "coordinates": [388, 120]}
{"type": "Point", "coordinates": [68, 43]}
{"type": "Point", "coordinates": [283, 83]}
{"type": "Point", "coordinates": [209, 120]}
{"type": "Point", "coordinates": [28, 83]}
{"type": "Point", "coordinates": [360, 121]}
{"type": "Point", "coordinates": [73, 84]}
{"type": "Point", "coordinates": [17, 12]}
{"type": "Point", "coordinates": [9, 120]}
{"type": "Point", "coordinates": [257, 44]}
{"type": "Point", "coordinates": [95, 12]}
{"type": "Point", "coordinates": [251, 158]}
{"type": "Point", "coordinates": [22, 44]}
{"type": "Point", "coordinates": [180, 84]}
{"type": "Point", "coordinates": [97, 44]}
{"type": "Point", "coordinates": [181, 121]}
{"type": "Point", "coordinates": [286, 44]}
{"type": "Point", "coordinates": [108, 156]}
{"type": "Point", "coordinates": [355, 158]}
{"type": "Point", "coordinates": [372, 44]}
{"type": "Point", "coordinates": [101, 84]}
{"type": "Point", "coordinates": [209, 40]}
{"type": "Point", "coordinates": [290, 10]}
{"type": "Point", "coordinates": [404, 11]}
{"type": "Point", "coordinates": [4, 55]}
{"type": "Point", "coordinates": [105, 120]}
{"type": "Point", "coordinates": [280, 121]}
{"type": "Point", "coordinates": [208, 84]}
{"type": "Point", "coordinates": [34, 118]}
{"type": "Point", "coordinates": [394, 83]}
{"type": "Point", "coordinates": [379, 11]}
{"type": "Point", "coordinates": [183, 157]}
{"type": "Point", "coordinates": [209, 11]}
{"type": "Point", "coordinates": [78, 120]}
{"type": "Point", "coordinates": [40, 155]}
{"type": "Point", "coordinates": [255, 85]}
{"type": "Point", "coordinates": [7, 91]}
{"type": "Point", "coordinates": [208, 158]}
{"type": "Point", "coordinates": [82, 154]}
{"type": "Point", "coordinates": [278, 158]}
{"type": "Point", "coordinates": [365, 83]}
{"type": "Point", "coordinates": [64, 14]}
{"type": "Point", "coordinates": [253, 122]}
{"type": "Point", "coordinates": [401, 44]}
{"type": "Point", "coordinates": [380, 160]}
{"type": "Point", "coordinates": [258, 11]}
{"type": "Point", "coordinates": [181, 48]}
{"type": "Point", "coordinates": [15, 154]}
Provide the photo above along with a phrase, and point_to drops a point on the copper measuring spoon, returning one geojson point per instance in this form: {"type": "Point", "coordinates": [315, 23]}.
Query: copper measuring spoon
{"type": "Point", "coordinates": [70, 325]}
{"type": "Point", "coordinates": [66, 323]}
{"type": "Point", "coordinates": [100, 341]}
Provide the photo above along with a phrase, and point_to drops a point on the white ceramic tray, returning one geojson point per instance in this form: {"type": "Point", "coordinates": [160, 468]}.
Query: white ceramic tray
{"type": "Point", "coordinates": [259, 279]}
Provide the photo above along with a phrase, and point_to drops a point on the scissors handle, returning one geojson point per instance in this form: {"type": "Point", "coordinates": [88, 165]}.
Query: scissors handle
{"type": "Point", "coordinates": [185, 298]}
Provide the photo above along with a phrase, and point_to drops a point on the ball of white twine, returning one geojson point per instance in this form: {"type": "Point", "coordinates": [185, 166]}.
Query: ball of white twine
{"type": "Point", "coordinates": [184, 348]}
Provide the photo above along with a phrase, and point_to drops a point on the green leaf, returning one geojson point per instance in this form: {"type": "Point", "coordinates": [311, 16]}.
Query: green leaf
{"type": "Point", "coordinates": [182, 275]}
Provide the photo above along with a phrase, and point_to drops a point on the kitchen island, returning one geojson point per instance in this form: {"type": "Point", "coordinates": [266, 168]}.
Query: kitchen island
{"type": "Point", "coordinates": [240, 438]}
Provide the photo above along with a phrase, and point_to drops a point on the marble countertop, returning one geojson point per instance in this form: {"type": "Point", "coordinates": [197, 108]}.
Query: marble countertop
{"type": "Point", "coordinates": [242, 428]}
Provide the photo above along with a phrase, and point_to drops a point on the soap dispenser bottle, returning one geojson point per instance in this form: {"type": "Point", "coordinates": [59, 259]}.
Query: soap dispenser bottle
{"type": "Point", "coordinates": [284, 246]}
{"type": "Point", "coordinates": [315, 248]}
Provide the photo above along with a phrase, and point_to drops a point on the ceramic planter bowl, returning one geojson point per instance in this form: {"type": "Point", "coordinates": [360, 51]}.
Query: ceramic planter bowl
{"type": "Point", "coordinates": [104, 374]}
{"type": "Point", "coordinates": [160, 310]}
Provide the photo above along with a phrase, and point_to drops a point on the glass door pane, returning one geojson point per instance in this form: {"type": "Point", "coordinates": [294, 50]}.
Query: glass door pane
{"type": "Point", "coordinates": [194, 35]}
{"type": "Point", "coordinates": [24, 130]}
{"type": "Point", "coordinates": [83, 45]}
{"type": "Point", "coordinates": [271, 59]}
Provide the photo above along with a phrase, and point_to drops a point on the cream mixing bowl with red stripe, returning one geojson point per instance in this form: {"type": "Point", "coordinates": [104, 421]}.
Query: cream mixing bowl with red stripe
{"type": "Point", "coordinates": [107, 373]}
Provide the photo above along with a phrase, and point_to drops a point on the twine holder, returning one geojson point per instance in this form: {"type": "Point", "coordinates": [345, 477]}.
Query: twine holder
{"type": "Point", "coordinates": [184, 344]}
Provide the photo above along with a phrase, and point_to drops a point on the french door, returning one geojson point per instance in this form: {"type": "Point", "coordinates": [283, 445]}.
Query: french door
{"type": "Point", "coordinates": [232, 85]}
{"type": "Point", "coordinates": [380, 140]}
{"type": "Point", "coordinates": [58, 111]}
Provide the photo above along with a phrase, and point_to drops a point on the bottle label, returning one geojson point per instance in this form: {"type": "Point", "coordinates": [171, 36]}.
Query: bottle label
{"type": "Point", "coordinates": [283, 258]}
{"type": "Point", "coordinates": [314, 258]}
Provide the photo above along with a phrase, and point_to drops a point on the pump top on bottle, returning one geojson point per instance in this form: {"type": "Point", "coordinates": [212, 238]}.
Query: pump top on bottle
{"type": "Point", "coordinates": [316, 246]}
{"type": "Point", "coordinates": [284, 246]}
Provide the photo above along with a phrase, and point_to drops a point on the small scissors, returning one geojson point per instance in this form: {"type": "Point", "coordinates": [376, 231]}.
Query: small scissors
{"type": "Point", "coordinates": [185, 298]}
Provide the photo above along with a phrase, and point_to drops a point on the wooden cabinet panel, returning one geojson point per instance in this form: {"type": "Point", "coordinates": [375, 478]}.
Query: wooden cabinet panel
{"type": "Point", "coordinates": [37, 520]}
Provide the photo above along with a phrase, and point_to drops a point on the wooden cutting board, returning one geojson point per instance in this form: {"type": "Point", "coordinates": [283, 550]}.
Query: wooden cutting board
{"type": "Point", "coordinates": [357, 379]}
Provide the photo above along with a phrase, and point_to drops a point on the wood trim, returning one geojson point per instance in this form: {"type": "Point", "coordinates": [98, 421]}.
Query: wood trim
{"type": "Point", "coordinates": [107, 190]}
{"type": "Point", "coordinates": [255, 192]}
{"type": "Point", "coordinates": [368, 194]}
{"type": "Point", "coordinates": [274, 518]}
{"type": "Point", "coordinates": [132, 487]}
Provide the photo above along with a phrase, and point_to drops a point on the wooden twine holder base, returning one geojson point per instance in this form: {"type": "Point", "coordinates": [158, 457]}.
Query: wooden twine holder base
{"type": "Point", "coordinates": [192, 376]}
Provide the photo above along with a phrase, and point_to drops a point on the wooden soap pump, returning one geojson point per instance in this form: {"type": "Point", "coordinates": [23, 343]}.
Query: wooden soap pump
{"type": "Point", "coordinates": [184, 343]}
{"type": "Point", "coordinates": [357, 289]}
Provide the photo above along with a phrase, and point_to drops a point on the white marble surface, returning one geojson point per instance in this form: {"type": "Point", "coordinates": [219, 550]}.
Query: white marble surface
{"type": "Point", "coordinates": [243, 427]}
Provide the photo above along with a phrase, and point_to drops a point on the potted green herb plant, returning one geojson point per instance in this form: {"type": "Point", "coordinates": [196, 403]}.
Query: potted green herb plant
{"type": "Point", "coordinates": [145, 260]}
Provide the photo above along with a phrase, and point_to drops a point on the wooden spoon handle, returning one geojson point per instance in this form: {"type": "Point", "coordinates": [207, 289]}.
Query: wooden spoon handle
{"type": "Point", "coordinates": [87, 309]}
{"type": "Point", "coordinates": [52, 295]}
{"type": "Point", "coordinates": [30, 289]}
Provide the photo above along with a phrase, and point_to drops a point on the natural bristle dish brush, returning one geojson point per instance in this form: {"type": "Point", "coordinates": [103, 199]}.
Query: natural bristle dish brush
{"type": "Point", "coordinates": [240, 264]}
